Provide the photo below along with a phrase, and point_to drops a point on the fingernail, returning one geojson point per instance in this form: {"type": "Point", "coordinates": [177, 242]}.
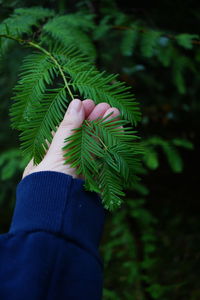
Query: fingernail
{"type": "Point", "coordinates": [75, 105]}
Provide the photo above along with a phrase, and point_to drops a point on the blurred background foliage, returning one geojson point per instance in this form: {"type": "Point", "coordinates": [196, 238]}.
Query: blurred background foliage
{"type": "Point", "coordinates": [151, 245]}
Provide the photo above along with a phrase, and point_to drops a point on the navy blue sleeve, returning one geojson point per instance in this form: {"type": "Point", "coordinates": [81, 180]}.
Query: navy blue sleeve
{"type": "Point", "coordinates": [51, 250]}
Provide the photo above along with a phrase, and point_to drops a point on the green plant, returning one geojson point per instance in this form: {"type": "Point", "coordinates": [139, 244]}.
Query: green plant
{"type": "Point", "coordinates": [173, 156]}
{"type": "Point", "coordinates": [56, 72]}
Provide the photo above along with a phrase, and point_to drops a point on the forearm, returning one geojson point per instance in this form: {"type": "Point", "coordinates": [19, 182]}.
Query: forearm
{"type": "Point", "coordinates": [52, 246]}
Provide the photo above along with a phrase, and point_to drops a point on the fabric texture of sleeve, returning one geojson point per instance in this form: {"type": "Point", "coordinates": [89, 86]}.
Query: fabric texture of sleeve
{"type": "Point", "coordinates": [51, 250]}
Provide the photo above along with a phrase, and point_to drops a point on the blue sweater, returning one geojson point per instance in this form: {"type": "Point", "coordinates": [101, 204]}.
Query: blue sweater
{"type": "Point", "coordinates": [51, 250]}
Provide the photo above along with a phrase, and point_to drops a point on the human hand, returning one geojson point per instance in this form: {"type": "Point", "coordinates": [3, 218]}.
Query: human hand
{"type": "Point", "coordinates": [76, 113]}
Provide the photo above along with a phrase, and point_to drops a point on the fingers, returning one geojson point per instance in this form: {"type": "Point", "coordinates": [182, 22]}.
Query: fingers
{"type": "Point", "coordinates": [76, 113]}
{"type": "Point", "coordinates": [74, 117]}
{"type": "Point", "coordinates": [115, 113]}
{"type": "Point", "coordinates": [103, 109]}
{"type": "Point", "coordinates": [71, 120]}
{"type": "Point", "coordinates": [89, 105]}
{"type": "Point", "coordinates": [98, 111]}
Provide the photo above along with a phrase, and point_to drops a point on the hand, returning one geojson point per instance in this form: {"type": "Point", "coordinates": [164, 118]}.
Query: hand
{"type": "Point", "coordinates": [76, 113]}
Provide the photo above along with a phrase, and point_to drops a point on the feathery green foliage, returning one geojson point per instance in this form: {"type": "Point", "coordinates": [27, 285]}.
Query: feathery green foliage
{"type": "Point", "coordinates": [114, 152]}
{"type": "Point", "coordinates": [129, 41]}
{"type": "Point", "coordinates": [49, 79]}
{"type": "Point", "coordinates": [21, 23]}
{"type": "Point", "coordinates": [38, 129]}
{"type": "Point", "coordinates": [9, 163]}
{"type": "Point", "coordinates": [22, 20]}
{"type": "Point", "coordinates": [96, 85]}
{"type": "Point", "coordinates": [151, 157]}
{"type": "Point", "coordinates": [149, 42]}
{"type": "Point", "coordinates": [185, 40]}
{"type": "Point", "coordinates": [72, 29]}
{"type": "Point", "coordinates": [36, 74]}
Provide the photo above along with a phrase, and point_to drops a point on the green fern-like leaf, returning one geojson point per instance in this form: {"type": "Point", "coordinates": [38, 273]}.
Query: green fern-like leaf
{"type": "Point", "coordinates": [174, 158]}
{"type": "Point", "coordinates": [11, 161]}
{"type": "Point", "coordinates": [151, 159]}
{"type": "Point", "coordinates": [165, 55]}
{"type": "Point", "coordinates": [70, 30]}
{"type": "Point", "coordinates": [180, 65]}
{"type": "Point", "coordinates": [81, 148]}
{"type": "Point", "coordinates": [91, 83]}
{"type": "Point", "coordinates": [111, 187]}
{"type": "Point", "coordinates": [169, 148]}
{"type": "Point", "coordinates": [102, 87]}
{"type": "Point", "coordinates": [114, 157]}
{"type": "Point", "coordinates": [185, 40]}
{"type": "Point", "coordinates": [36, 73]}
{"type": "Point", "coordinates": [149, 42]}
{"type": "Point", "coordinates": [21, 22]}
{"type": "Point", "coordinates": [129, 40]}
{"type": "Point", "coordinates": [43, 121]}
{"type": "Point", "coordinates": [183, 143]}
{"type": "Point", "coordinates": [60, 70]}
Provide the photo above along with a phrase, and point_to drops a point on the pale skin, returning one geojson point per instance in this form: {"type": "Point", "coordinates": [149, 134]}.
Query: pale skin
{"type": "Point", "coordinates": [76, 113]}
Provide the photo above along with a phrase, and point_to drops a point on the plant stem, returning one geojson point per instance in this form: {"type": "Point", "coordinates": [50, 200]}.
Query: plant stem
{"type": "Point", "coordinates": [88, 124]}
{"type": "Point", "coordinates": [56, 63]}
{"type": "Point", "coordinates": [7, 36]}
{"type": "Point", "coordinates": [34, 45]}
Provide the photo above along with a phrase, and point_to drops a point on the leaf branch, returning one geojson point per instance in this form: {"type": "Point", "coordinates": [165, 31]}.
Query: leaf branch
{"type": "Point", "coordinates": [40, 48]}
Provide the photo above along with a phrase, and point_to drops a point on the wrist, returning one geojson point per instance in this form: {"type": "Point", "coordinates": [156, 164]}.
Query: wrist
{"type": "Point", "coordinates": [55, 166]}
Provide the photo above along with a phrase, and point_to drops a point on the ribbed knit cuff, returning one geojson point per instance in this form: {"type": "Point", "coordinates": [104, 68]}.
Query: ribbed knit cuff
{"type": "Point", "coordinates": [56, 202]}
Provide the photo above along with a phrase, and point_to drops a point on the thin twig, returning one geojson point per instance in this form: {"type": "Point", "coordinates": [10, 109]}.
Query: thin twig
{"type": "Point", "coordinates": [143, 30]}
{"type": "Point", "coordinates": [34, 45]}
{"type": "Point", "coordinates": [88, 124]}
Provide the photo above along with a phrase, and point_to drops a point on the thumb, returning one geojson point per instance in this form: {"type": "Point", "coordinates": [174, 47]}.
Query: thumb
{"type": "Point", "coordinates": [74, 117]}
